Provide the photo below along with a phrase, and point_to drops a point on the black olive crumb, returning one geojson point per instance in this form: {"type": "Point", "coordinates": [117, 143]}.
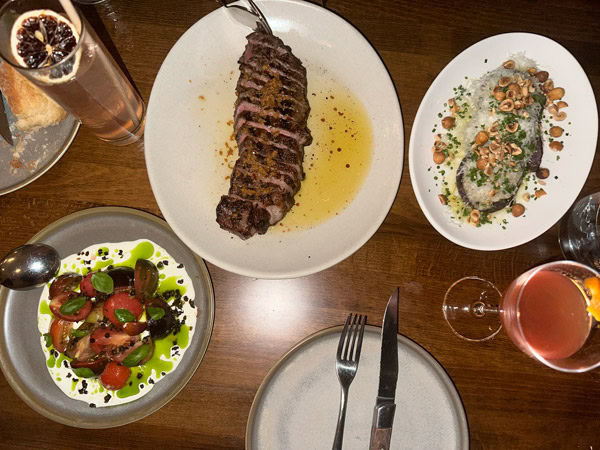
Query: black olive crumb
{"type": "Point", "coordinates": [92, 405]}
{"type": "Point", "coordinates": [150, 380]}
{"type": "Point", "coordinates": [131, 383]}
{"type": "Point", "coordinates": [107, 398]}
{"type": "Point", "coordinates": [139, 376]}
{"type": "Point", "coordinates": [180, 266]}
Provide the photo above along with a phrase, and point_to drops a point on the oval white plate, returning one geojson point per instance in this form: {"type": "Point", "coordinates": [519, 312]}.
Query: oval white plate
{"type": "Point", "coordinates": [296, 406]}
{"type": "Point", "coordinates": [575, 160]}
{"type": "Point", "coordinates": [180, 144]}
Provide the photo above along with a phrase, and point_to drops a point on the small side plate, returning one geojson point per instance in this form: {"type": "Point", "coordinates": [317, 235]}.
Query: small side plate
{"type": "Point", "coordinates": [37, 151]}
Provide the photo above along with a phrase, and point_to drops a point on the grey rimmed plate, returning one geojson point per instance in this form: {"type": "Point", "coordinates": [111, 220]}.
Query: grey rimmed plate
{"type": "Point", "coordinates": [21, 357]}
{"type": "Point", "coordinates": [37, 150]}
{"type": "Point", "coordinates": [296, 407]}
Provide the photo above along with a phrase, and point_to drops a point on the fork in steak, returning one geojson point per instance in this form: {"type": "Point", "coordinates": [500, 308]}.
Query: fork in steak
{"type": "Point", "coordinates": [271, 112]}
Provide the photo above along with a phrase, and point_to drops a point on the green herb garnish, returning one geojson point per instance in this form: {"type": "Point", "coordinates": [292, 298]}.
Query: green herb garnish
{"type": "Point", "coordinates": [135, 357]}
{"type": "Point", "coordinates": [124, 315]}
{"type": "Point", "coordinates": [156, 313]}
{"type": "Point", "coordinates": [103, 282]}
{"type": "Point", "coordinates": [73, 305]}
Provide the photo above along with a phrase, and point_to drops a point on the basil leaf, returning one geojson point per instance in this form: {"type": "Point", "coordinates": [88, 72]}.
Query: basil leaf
{"type": "Point", "coordinates": [103, 282]}
{"type": "Point", "coordinates": [73, 305]}
{"type": "Point", "coordinates": [48, 339]}
{"type": "Point", "coordinates": [135, 357]}
{"type": "Point", "coordinates": [156, 313]}
{"type": "Point", "coordinates": [79, 333]}
{"type": "Point", "coordinates": [124, 315]}
{"type": "Point", "coordinates": [84, 372]}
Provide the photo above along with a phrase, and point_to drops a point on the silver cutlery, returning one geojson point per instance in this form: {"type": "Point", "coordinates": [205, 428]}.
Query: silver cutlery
{"type": "Point", "coordinates": [250, 16]}
{"type": "Point", "coordinates": [385, 407]}
{"type": "Point", "coordinates": [4, 126]}
{"type": "Point", "coordinates": [346, 364]}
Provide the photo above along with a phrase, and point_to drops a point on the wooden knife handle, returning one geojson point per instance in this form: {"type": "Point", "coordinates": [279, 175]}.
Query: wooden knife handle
{"type": "Point", "coordinates": [381, 430]}
{"type": "Point", "coordinates": [380, 440]}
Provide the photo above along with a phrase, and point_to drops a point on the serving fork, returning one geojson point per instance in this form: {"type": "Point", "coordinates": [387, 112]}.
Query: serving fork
{"type": "Point", "coordinates": [346, 364]}
{"type": "Point", "coordinates": [243, 13]}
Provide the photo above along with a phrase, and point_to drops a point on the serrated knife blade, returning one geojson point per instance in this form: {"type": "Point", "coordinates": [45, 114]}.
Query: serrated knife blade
{"type": "Point", "coordinates": [4, 125]}
{"type": "Point", "coordinates": [385, 406]}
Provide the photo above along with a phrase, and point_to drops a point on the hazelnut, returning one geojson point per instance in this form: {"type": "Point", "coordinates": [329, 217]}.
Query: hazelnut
{"type": "Point", "coordinates": [556, 146]}
{"type": "Point", "coordinates": [512, 127]}
{"type": "Point", "coordinates": [438, 157]}
{"type": "Point", "coordinates": [443, 199]}
{"type": "Point", "coordinates": [489, 170]}
{"type": "Point", "coordinates": [481, 138]}
{"type": "Point", "coordinates": [539, 193]}
{"type": "Point", "coordinates": [561, 104]}
{"type": "Point", "coordinates": [532, 71]}
{"type": "Point", "coordinates": [498, 93]}
{"type": "Point", "coordinates": [556, 131]}
{"type": "Point", "coordinates": [510, 64]}
{"type": "Point", "coordinates": [504, 81]}
{"type": "Point", "coordinates": [556, 94]}
{"type": "Point", "coordinates": [475, 216]}
{"type": "Point", "coordinates": [542, 173]}
{"type": "Point", "coordinates": [448, 122]}
{"type": "Point", "coordinates": [517, 209]}
{"type": "Point", "coordinates": [548, 85]}
{"type": "Point", "coordinates": [507, 105]}
{"type": "Point", "coordinates": [481, 163]}
{"type": "Point", "coordinates": [542, 76]}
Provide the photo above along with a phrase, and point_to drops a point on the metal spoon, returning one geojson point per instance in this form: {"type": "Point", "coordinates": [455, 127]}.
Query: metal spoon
{"type": "Point", "coordinates": [251, 17]}
{"type": "Point", "coordinates": [29, 266]}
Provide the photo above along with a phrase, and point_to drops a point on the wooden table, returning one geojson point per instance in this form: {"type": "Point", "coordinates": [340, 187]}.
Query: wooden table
{"type": "Point", "coordinates": [511, 401]}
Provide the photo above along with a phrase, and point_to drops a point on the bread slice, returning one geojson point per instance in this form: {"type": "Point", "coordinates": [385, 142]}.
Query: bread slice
{"type": "Point", "coordinates": [29, 104]}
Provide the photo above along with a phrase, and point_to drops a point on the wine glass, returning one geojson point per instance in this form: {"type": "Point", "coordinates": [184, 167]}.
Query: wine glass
{"type": "Point", "coordinates": [544, 311]}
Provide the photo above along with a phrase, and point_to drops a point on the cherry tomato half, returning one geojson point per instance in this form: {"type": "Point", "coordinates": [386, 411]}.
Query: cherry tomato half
{"type": "Point", "coordinates": [111, 341]}
{"type": "Point", "coordinates": [86, 286]}
{"type": "Point", "coordinates": [59, 332]}
{"type": "Point", "coordinates": [115, 376]}
{"type": "Point", "coordinates": [63, 297]}
{"type": "Point", "coordinates": [122, 300]}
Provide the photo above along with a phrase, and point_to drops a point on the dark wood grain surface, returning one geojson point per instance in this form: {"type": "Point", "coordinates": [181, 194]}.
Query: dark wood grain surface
{"type": "Point", "coordinates": [511, 401]}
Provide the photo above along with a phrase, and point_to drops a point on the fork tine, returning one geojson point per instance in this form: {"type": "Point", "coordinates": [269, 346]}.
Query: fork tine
{"type": "Point", "coordinates": [360, 337]}
{"type": "Point", "coordinates": [352, 338]}
{"type": "Point", "coordinates": [343, 337]}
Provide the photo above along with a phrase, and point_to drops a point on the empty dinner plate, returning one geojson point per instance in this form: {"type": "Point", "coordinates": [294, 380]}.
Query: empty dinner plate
{"type": "Point", "coordinates": [296, 407]}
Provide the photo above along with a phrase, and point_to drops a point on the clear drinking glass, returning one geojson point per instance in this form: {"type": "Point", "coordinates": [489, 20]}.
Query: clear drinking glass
{"type": "Point", "coordinates": [579, 231]}
{"type": "Point", "coordinates": [87, 82]}
{"type": "Point", "coordinates": [544, 312]}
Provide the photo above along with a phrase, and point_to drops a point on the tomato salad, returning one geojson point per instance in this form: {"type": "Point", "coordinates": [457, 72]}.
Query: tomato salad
{"type": "Point", "coordinates": [106, 323]}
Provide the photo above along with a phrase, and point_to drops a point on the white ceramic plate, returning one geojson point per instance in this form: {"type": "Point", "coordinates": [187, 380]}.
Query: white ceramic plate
{"type": "Point", "coordinates": [37, 151]}
{"type": "Point", "coordinates": [297, 405]}
{"type": "Point", "coordinates": [575, 160]}
{"type": "Point", "coordinates": [183, 131]}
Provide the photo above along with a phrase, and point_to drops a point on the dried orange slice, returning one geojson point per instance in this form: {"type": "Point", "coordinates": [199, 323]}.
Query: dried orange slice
{"type": "Point", "coordinates": [593, 285]}
{"type": "Point", "coordinates": [42, 38]}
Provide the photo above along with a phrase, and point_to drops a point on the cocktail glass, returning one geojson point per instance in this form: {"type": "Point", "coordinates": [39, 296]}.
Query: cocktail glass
{"type": "Point", "coordinates": [88, 83]}
{"type": "Point", "coordinates": [579, 231]}
{"type": "Point", "coordinates": [544, 312]}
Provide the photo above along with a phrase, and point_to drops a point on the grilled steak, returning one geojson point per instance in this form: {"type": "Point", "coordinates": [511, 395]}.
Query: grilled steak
{"type": "Point", "coordinates": [271, 112]}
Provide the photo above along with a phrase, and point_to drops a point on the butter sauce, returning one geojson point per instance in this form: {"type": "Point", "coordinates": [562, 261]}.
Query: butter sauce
{"type": "Point", "coordinates": [338, 161]}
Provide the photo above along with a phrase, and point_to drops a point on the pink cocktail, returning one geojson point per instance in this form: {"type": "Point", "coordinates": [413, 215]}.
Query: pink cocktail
{"type": "Point", "coordinates": [544, 311]}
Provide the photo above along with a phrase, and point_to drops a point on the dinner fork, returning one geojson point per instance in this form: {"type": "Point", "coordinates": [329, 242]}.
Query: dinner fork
{"type": "Point", "coordinates": [346, 364]}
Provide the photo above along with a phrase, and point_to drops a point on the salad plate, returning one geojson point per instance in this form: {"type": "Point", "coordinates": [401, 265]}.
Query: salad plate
{"type": "Point", "coordinates": [22, 359]}
{"type": "Point", "coordinates": [189, 129]}
{"type": "Point", "coordinates": [568, 168]}
{"type": "Point", "coordinates": [284, 414]}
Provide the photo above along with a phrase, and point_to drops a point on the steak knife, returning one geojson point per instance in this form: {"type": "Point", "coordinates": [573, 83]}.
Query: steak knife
{"type": "Point", "coordinates": [4, 126]}
{"type": "Point", "coordinates": [385, 406]}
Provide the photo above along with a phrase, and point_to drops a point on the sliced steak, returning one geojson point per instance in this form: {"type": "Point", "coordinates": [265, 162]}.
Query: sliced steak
{"type": "Point", "coordinates": [270, 124]}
